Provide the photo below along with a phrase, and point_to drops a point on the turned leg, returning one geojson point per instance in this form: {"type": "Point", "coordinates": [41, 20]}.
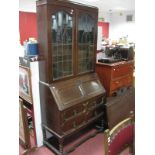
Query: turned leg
{"type": "Point", "coordinates": [44, 133]}
{"type": "Point", "coordinates": [102, 125]}
{"type": "Point", "coordinates": [61, 142]}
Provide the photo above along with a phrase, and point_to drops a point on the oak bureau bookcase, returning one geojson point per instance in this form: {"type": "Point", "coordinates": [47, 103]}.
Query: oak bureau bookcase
{"type": "Point", "coordinates": [72, 97]}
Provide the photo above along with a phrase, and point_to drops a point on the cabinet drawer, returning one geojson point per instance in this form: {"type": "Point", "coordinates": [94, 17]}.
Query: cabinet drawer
{"type": "Point", "coordinates": [74, 123]}
{"type": "Point", "coordinates": [92, 104]}
{"type": "Point", "coordinates": [100, 100]}
{"type": "Point", "coordinates": [94, 113]}
{"type": "Point", "coordinates": [80, 119]}
{"type": "Point", "coordinates": [95, 102]}
{"type": "Point", "coordinates": [125, 81]}
{"type": "Point", "coordinates": [69, 125]}
{"type": "Point", "coordinates": [118, 71]}
{"type": "Point", "coordinates": [68, 113]}
{"type": "Point", "coordinates": [72, 112]}
{"type": "Point", "coordinates": [90, 115]}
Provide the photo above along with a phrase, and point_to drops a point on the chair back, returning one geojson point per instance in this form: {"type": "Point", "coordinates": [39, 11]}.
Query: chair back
{"type": "Point", "coordinates": [119, 137]}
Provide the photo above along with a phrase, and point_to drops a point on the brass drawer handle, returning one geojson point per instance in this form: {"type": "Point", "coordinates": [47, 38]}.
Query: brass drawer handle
{"type": "Point", "coordinates": [85, 104]}
{"type": "Point", "coordinates": [84, 110]}
{"type": "Point", "coordinates": [117, 82]}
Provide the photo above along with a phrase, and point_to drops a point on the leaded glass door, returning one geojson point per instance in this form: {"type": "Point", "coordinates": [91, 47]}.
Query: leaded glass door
{"type": "Point", "coordinates": [62, 44]}
{"type": "Point", "coordinates": [86, 43]}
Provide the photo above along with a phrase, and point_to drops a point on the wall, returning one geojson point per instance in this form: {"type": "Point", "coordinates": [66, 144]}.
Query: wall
{"type": "Point", "coordinates": [120, 27]}
{"type": "Point", "coordinates": [27, 5]}
{"type": "Point", "coordinates": [105, 15]}
{"type": "Point", "coordinates": [27, 20]}
{"type": "Point", "coordinates": [105, 28]}
{"type": "Point", "coordinates": [27, 26]}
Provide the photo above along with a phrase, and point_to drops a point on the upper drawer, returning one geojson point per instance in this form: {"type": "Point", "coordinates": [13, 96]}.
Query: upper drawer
{"type": "Point", "coordinates": [118, 71]}
{"type": "Point", "coordinates": [72, 112]}
{"type": "Point", "coordinates": [81, 108]}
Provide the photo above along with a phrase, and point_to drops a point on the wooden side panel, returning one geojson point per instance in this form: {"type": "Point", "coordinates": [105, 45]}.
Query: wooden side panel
{"type": "Point", "coordinates": [118, 108]}
{"type": "Point", "coordinates": [50, 112]}
{"type": "Point", "coordinates": [104, 73]}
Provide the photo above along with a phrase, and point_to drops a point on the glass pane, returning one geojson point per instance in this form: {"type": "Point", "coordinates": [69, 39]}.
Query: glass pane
{"type": "Point", "coordinates": [85, 43]}
{"type": "Point", "coordinates": [62, 45]}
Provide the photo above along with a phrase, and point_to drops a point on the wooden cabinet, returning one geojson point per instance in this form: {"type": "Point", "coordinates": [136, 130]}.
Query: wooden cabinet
{"type": "Point", "coordinates": [71, 94]}
{"type": "Point", "coordinates": [119, 107]}
{"type": "Point", "coordinates": [115, 75]}
{"type": "Point", "coordinates": [67, 39]}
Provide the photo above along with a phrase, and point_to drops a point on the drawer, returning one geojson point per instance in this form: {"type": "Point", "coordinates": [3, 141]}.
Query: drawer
{"type": "Point", "coordinates": [92, 104]}
{"type": "Point", "coordinates": [80, 120]}
{"type": "Point", "coordinates": [68, 113]}
{"type": "Point", "coordinates": [69, 125]}
{"type": "Point", "coordinates": [79, 108]}
{"type": "Point", "coordinates": [100, 100]}
{"type": "Point", "coordinates": [119, 71]}
{"type": "Point", "coordinates": [125, 81]}
{"type": "Point", "coordinates": [74, 123]}
{"type": "Point", "coordinates": [128, 81]}
{"type": "Point", "coordinates": [95, 103]}
{"type": "Point", "coordinates": [94, 113]}
{"type": "Point", "coordinates": [72, 112]}
{"type": "Point", "coordinates": [90, 115]}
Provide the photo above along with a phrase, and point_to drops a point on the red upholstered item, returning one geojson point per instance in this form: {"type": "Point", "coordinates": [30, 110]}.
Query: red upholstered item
{"type": "Point", "coordinates": [124, 136]}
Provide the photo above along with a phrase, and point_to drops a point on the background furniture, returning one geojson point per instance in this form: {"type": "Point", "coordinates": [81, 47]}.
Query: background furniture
{"type": "Point", "coordinates": [119, 107]}
{"type": "Point", "coordinates": [114, 76]}
{"type": "Point", "coordinates": [72, 97]}
{"type": "Point", "coordinates": [24, 135]}
{"type": "Point", "coordinates": [29, 93]}
{"type": "Point", "coordinates": [119, 137]}
{"type": "Point", "coordinates": [25, 93]}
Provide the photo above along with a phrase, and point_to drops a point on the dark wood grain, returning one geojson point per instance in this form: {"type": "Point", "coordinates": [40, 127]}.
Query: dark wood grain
{"type": "Point", "coordinates": [119, 107]}
{"type": "Point", "coordinates": [69, 104]}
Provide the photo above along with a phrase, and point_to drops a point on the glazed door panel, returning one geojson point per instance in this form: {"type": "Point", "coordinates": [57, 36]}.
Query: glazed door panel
{"type": "Point", "coordinates": [86, 42]}
{"type": "Point", "coordinates": [62, 43]}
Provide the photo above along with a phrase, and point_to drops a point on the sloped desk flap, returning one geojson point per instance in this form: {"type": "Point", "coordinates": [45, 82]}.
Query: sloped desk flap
{"type": "Point", "coordinates": [73, 91]}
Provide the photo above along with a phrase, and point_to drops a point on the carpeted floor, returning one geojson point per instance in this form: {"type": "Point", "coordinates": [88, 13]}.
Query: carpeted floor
{"type": "Point", "coordinates": [93, 146]}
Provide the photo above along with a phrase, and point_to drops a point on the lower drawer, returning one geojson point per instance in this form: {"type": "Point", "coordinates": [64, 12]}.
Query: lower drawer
{"type": "Point", "coordinates": [80, 120]}
{"type": "Point", "coordinates": [74, 123]}
{"type": "Point", "coordinates": [125, 81]}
